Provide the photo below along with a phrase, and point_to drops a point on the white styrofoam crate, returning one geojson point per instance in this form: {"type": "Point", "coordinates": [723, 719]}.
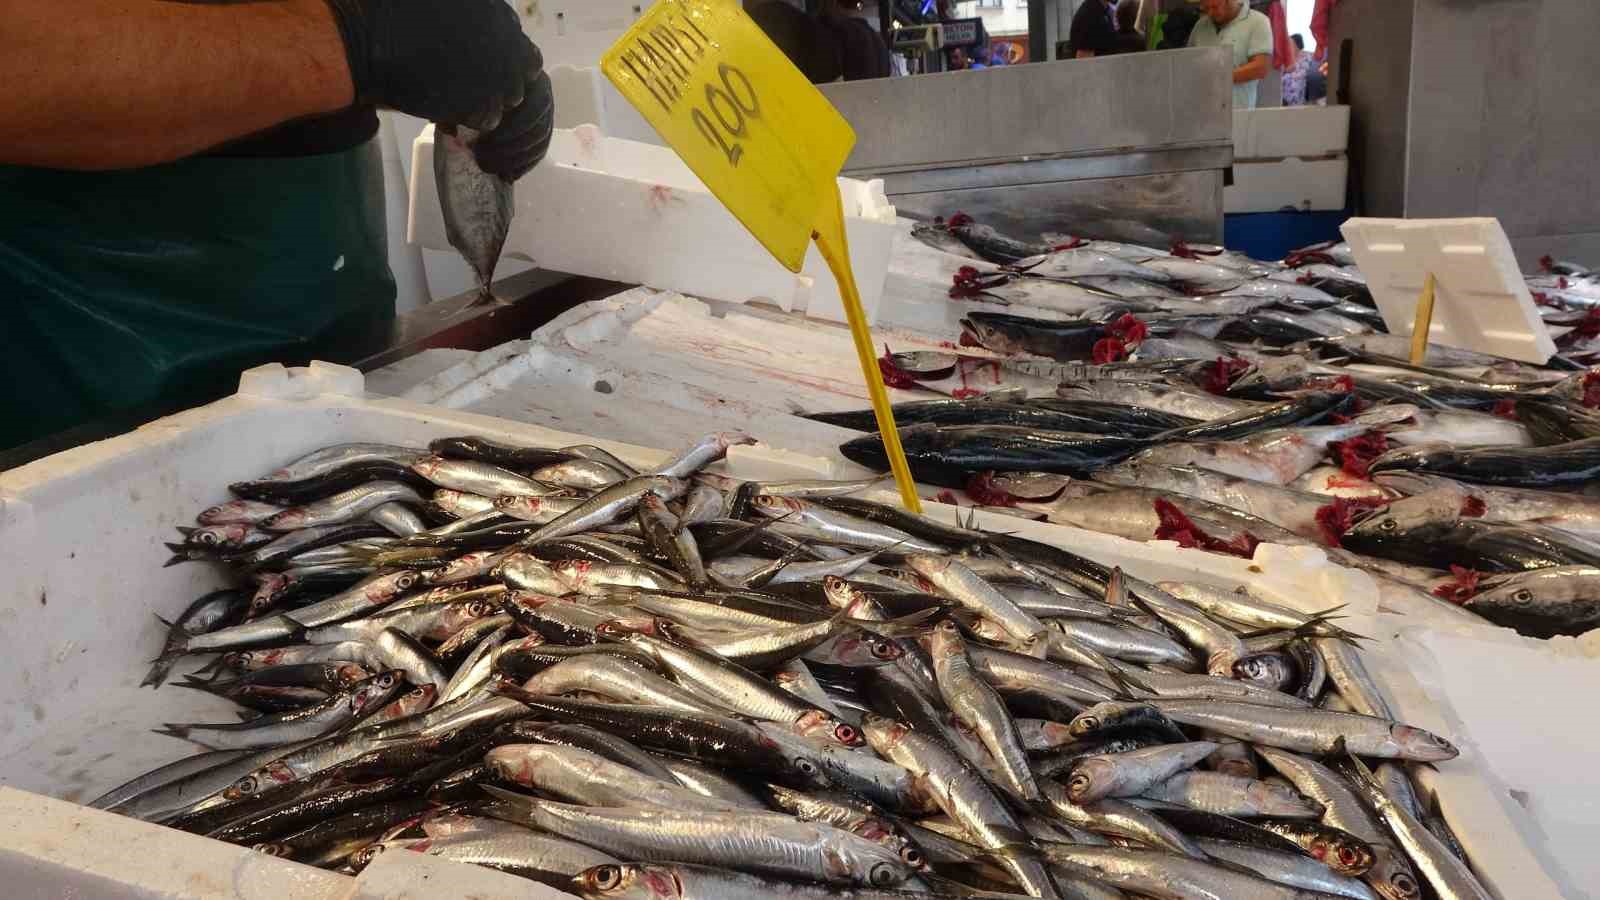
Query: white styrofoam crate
{"type": "Point", "coordinates": [634, 212]}
{"type": "Point", "coordinates": [1481, 301]}
{"type": "Point", "coordinates": [80, 541]}
{"type": "Point", "coordinates": [1287, 184]}
{"type": "Point", "coordinates": [1275, 132]}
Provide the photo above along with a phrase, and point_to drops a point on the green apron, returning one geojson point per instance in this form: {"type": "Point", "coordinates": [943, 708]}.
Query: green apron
{"type": "Point", "coordinates": [157, 286]}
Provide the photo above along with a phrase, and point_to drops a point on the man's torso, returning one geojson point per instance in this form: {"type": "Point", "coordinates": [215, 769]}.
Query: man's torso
{"type": "Point", "coordinates": [1238, 36]}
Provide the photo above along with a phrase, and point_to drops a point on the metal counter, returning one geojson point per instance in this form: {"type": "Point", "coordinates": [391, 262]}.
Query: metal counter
{"type": "Point", "coordinates": [1131, 147]}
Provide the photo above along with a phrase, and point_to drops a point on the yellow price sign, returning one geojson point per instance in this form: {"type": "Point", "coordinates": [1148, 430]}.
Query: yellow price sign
{"type": "Point", "coordinates": [763, 139]}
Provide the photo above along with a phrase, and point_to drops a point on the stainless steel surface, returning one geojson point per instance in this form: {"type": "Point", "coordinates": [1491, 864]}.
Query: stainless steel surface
{"type": "Point", "coordinates": [1178, 98]}
{"type": "Point", "coordinates": [1380, 96]}
{"type": "Point", "coordinates": [1479, 108]}
{"type": "Point", "coordinates": [1151, 209]}
{"type": "Point", "coordinates": [1130, 147]}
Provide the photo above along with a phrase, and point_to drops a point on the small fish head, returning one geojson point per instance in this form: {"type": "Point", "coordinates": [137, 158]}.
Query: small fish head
{"type": "Point", "coordinates": [362, 858]}
{"type": "Point", "coordinates": [1270, 670]}
{"type": "Point", "coordinates": [346, 674]}
{"type": "Point", "coordinates": [1424, 746]}
{"type": "Point", "coordinates": [945, 641]}
{"type": "Point", "coordinates": [776, 507]}
{"type": "Point", "coordinates": [411, 702]}
{"type": "Point", "coordinates": [281, 851]}
{"type": "Point", "coordinates": [883, 734]}
{"type": "Point", "coordinates": [840, 593]}
{"type": "Point", "coordinates": [1087, 777]}
{"type": "Point", "coordinates": [1391, 877]}
{"type": "Point", "coordinates": [629, 881]}
{"type": "Point", "coordinates": [428, 466]}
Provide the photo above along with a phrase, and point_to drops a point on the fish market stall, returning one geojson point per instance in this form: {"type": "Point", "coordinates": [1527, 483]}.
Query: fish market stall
{"type": "Point", "coordinates": [90, 720]}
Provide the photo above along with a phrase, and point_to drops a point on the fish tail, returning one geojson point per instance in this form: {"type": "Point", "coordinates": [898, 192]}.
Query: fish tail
{"type": "Point", "coordinates": [170, 730]}
{"type": "Point", "coordinates": [161, 666]}
{"type": "Point", "coordinates": [180, 554]}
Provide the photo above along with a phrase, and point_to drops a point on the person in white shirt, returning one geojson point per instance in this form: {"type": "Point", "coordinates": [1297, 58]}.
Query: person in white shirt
{"type": "Point", "coordinates": [1233, 24]}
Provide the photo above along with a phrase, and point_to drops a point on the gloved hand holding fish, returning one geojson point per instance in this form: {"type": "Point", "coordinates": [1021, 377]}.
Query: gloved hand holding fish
{"type": "Point", "coordinates": [1194, 394]}
{"type": "Point", "coordinates": [627, 680]}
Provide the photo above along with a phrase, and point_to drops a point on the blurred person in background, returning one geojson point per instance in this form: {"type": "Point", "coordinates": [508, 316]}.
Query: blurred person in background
{"type": "Point", "coordinates": [1247, 34]}
{"type": "Point", "coordinates": [803, 38]}
{"type": "Point", "coordinates": [1129, 38]}
{"type": "Point", "coordinates": [1294, 77]}
{"type": "Point", "coordinates": [1094, 29]}
{"type": "Point", "coordinates": [862, 51]}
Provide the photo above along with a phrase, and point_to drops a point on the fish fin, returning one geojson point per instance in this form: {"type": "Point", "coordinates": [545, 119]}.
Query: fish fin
{"type": "Point", "coordinates": [215, 665]}
{"type": "Point", "coordinates": [165, 622]}
{"type": "Point", "coordinates": [170, 730]}
{"type": "Point", "coordinates": [186, 530]}
{"type": "Point", "coordinates": [298, 636]}
{"type": "Point", "coordinates": [246, 715]}
{"type": "Point", "coordinates": [180, 554]}
{"type": "Point", "coordinates": [896, 627]}
{"type": "Point", "coordinates": [209, 685]}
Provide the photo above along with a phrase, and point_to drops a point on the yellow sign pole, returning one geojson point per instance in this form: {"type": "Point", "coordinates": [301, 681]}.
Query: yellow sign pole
{"type": "Point", "coordinates": [1422, 323]}
{"type": "Point", "coordinates": [763, 139]}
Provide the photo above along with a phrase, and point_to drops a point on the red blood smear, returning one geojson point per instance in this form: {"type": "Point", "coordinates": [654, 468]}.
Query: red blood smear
{"type": "Point", "coordinates": [1109, 350]}
{"type": "Point", "coordinates": [1129, 329]}
{"type": "Point", "coordinates": [1122, 334]}
{"type": "Point", "coordinates": [947, 345]}
{"type": "Point", "coordinates": [1547, 263]}
{"type": "Point", "coordinates": [982, 489]}
{"type": "Point", "coordinates": [966, 283]}
{"type": "Point", "coordinates": [1473, 507]}
{"type": "Point", "coordinates": [1073, 244]}
{"type": "Point", "coordinates": [1506, 409]}
{"type": "Point", "coordinates": [966, 393]}
{"type": "Point", "coordinates": [1175, 526]}
{"type": "Point", "coordinates": [1336, 383]}
{"type": "Point", "coordinates": [1591, 390]}
{"type": "Point", "coordinates": [893, 375]}
{"type": "Point", "coordinates": [1543, 299]}
{"type": "Point", "coordinates": [968, 340]}
{"type": "Point", "coordinates": [1588, 327]}
{"type": "Point", "coordinates": [1356, 455]}
{"type": "Point", "coordinates": [946, 497]}
{"type": "Point", "coordinates": [1462, 589]}
{"type": "Point", "coordinates": [1219, 375]}
{"type": "Point", "coordinates": [1336, 518]}
{"type": "Point", "coordinates": [1339, 481]}
{"type": "Point", "coordinates": [959, 220]}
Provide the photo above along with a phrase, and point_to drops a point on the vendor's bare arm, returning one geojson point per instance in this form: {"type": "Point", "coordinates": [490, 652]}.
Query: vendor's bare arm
{"type": "Point", "coordinates": [1254, 70]}
{"type": "Point", "coordinates": [103, 84]}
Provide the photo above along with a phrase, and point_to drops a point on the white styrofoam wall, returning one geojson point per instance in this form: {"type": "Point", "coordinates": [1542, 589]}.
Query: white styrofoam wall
{"type": "Point", "coordinates": [634, 212]}
{"type": "Point", "coordinates": [80, 539]}
{"type": "Point", "coordinates": [1293, 183]}
{"type": "Point", "coordinates": [1274, 132]}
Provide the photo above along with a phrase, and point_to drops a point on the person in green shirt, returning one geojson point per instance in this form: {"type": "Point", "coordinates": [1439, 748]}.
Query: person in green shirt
{"type": "Point", "coordinates": [1247, 33]}
{"type": "Point", "coordinates": [192, 188]}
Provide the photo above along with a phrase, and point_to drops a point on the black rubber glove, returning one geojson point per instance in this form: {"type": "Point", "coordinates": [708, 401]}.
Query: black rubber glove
{"type": "Point", "coordinates": [458, 62]}
{"type": "Point", "coordinates": [523, 136]}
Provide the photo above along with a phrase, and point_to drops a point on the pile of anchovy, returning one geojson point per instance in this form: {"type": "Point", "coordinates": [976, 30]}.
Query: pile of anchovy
{"type": "Point", "coordinates": [1202, 396]}
{"type": "Point", "coordinates": [675, 684]}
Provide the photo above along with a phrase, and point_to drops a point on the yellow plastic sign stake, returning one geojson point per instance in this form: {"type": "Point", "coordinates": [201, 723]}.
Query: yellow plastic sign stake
{"type": "Point", "coordinates": [1422, 324]}
{"type": "Point", "coordinates": [763, 139]}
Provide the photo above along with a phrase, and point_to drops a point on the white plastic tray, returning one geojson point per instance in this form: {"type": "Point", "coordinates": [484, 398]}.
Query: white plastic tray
{"type": "Point", "coordinates": [80, 539]}
{"type": "Point", "coordinates": [1274, 132]}
{"type": "Point", "coordinates": [1481, 300]}
{"type": "Point", "coordinates": [633, 212]}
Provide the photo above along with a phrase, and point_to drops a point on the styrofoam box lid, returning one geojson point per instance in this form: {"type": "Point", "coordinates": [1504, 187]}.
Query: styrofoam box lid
{"type": "Point", "coordinates": [1481, 301]}
{"type": "Point", "coordinates": [1275, 132]}
{"type": "Point", "coordinates": [1291, 183]}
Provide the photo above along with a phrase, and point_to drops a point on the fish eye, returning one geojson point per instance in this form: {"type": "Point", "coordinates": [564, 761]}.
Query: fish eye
{"type": "Point", "coordinates": [911, 856]}
{"type": "Point", "coordinates": [884, 650]}
{"type": "Point", "coordinates": [1388, 524]}
{"type": "Point", "coordinates": [846, 734]}
{"type": "Point", "coordinates": [246, 785]}
{"type": "Point", "coordinates": [385, 680]}
{"type": "Point", "coordinates": [406, 579]}
{"type": "Point", "coordinates": [947, 625]}
{"type": "Point", "coordinates": [1089, 723]}
{"type": "Point", "coordinates": [806, 766]}
{"type": "Point", "coordinates": [1077, 784]}
{"type": "Point", "coordinates": [606, 878]}
{"type": "Point", "coordinates": [1403, 884]}
{"type": "Point", "coordinates": [883, 875]}
{"type": "Point", "coordinates": [1348, 857]}
{"type": "Point", "coordinates": [206, 537]}
{"type": "Point", "coordinates": [1522, 596]}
